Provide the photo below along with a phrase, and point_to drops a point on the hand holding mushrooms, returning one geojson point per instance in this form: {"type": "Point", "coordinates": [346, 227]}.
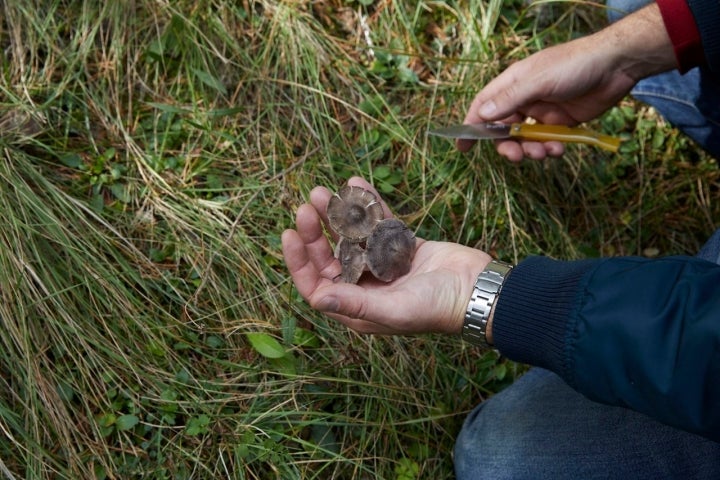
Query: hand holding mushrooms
{"type": "Point", "coordinates": [427, 294]}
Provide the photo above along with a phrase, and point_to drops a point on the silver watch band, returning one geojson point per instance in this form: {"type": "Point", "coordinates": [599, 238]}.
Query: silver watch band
{"type": "Point", "coordinates": [486, 290]}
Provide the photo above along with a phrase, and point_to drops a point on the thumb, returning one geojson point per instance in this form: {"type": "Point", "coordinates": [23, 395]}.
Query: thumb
{"type": "Point", "coordinates": [497, 101]}
{"type": "Point", "coordinates": [502, 98]}
{"type": "Point", "coordinates": [375, 308]}
{"type": "Point", "coordinates": [356, 310]}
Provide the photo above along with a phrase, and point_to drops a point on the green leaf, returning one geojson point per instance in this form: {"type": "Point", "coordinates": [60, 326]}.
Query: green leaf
{"type": "Point", "coordinates": [323, 436]}
{"type": "Point", "coordinates": [382, 172]}
{"type": "Point", "coordinates": [224, 112]}
{"type": "Point", "coordinates": [126, 422]}
{"type": "Point", "coordinates": [385, 187]}
{"type": "Point", "coordinates": [65, 391]}
{"type": "Point", "coordinates": [407, 75]}
{"type": "Point", "coordinates": [121, 192]}
{"type": "Point", "coordinates": [658, 139]}
{"type": "Point", "coordinates": [289, 325]}
{"type": "Point", "coordinates": [109, 154]}
{"type": "Point", "coordinates": [305, 338]}
{"type": "Point", "coordinates": [285, 364]}
{"type": "Point", "coordinates": [164, 107]}
{"type": "Point", "coordinates": [197, 425]}
{"type": "Point", "coordinates": [265, 345]}
{"type": "Point", "coordinates": [72, 160]}
{"type": "Point", "coordinates": [500, 371]}
{"type": "Point", "coordinates": [210, 81]}
{"type": "Point", "coordinates": [213, 341]}
{"type": "Point", "coordinates": [379, 68]}
{"type": "Point", "coordinates": [106, 420]}
{"type": "Point", "coordinates": [407, 469]}
{"type": "Point", "coordinates": [168, 395]}
{"type": "Point", "coordinates": [182, 376]}
{"type": "Point", "coordinates": [97, 203]}
{"type": "Point", "coordinates": [374, 106]}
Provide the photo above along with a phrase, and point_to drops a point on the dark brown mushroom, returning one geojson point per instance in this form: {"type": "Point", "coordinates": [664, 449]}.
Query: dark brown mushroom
{"type": "Point", "coordinates": [352, 260]}
{"type": "Point", "coordinates": [390, 250]}
{"type": "Point", "coordinates": [353, 212]}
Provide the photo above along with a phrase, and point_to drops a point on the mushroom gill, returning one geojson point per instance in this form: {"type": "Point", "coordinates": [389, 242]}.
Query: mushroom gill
{"type": "Point", "coordinates": [353, 212]}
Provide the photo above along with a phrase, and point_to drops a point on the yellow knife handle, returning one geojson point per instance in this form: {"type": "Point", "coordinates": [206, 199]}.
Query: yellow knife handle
{"type": "Point", "coordinates": [561, 133]}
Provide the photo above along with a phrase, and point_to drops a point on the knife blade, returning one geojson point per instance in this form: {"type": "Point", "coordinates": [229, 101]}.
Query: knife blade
{"type": "Point", "coordinates": [527, 131]}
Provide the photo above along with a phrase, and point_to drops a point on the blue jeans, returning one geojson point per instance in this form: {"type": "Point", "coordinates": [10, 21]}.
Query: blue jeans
{"type": "Point", "coordinates": [539, 428]}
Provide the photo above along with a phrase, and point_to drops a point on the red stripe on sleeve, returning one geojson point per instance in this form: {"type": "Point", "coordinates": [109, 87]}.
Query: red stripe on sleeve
{"type": "Point", "coordinates": [683, 32]}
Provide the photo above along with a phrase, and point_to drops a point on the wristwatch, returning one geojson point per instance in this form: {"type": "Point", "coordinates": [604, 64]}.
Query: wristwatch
{"type": "Point", "coordinates": [485, 293]}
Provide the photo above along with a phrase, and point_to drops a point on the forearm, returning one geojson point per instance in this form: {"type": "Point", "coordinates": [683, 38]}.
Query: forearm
{"type": "Point", "coordinates": [625, 331]}
{"type": "Point", "coordinates": [639, 44]}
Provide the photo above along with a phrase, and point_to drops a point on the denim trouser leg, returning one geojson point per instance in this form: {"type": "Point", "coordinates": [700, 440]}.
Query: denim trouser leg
{"type": "Point", "coordinates": [539, 428]}
{"type": "Point", "coordinates": [690, 101]}
{"type": "Point", "coordinates": [711, 250]}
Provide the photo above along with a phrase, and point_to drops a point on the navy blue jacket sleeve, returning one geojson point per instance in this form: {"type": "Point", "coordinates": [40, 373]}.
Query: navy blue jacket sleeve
{"type": "Point", "coordinates": [633, 332]}
{"type": "Point", "coordinates": [707, 19]}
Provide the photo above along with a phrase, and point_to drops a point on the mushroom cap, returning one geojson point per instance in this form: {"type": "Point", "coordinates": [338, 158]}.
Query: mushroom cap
{"type": "Point", "coordinates": [390, 250]}
{"type": "Point", "coordinates": [353, 212]}
{"type": "Point", "coordinates": [352, 260]}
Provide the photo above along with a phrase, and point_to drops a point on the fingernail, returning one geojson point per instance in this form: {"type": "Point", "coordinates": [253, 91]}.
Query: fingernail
{"type": "Point", "coordinates": [487, 109]}
{"type": "Point", "coordinates": [329, 305]}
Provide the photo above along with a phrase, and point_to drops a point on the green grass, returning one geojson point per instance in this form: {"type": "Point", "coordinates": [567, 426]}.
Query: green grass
{"type": "Point", "coordinates": [152, 153]}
